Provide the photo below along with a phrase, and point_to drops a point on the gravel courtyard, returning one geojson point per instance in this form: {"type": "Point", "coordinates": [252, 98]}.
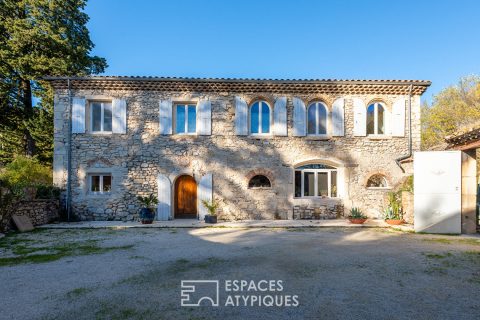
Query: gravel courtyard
{"type": "Point", "coordinates": [337, 273]}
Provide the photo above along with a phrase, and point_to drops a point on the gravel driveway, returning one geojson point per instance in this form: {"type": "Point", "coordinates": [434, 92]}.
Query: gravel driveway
{"type": "Point", "coordinates": [334, 273]}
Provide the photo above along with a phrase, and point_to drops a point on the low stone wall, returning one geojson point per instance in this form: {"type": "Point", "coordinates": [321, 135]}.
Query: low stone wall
{"type": "Point", "coordinates": [318, 212]}
{"type": "Point", "coordinates": [39, 211]}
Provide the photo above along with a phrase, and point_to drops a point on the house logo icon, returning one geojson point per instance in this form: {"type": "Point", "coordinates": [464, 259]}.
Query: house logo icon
{"type": "Point", "coordinates": [196, 293]}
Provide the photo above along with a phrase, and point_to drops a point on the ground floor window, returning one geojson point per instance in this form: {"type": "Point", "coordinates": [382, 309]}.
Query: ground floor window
{"type": "Point", "coordinates": [315, 180]}
{"type": "Point", "coordinates": [100, 183]}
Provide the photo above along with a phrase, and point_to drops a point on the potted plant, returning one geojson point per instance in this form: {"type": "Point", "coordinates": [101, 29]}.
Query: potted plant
{"type": "Point", "coordinates": [357, 216]}
{"type": "Point", "coordinates": [212, 207]}
{"type": "Point", "coordinates": [393, 213]}
{"type": "Point", "coordinates": [147, 213]}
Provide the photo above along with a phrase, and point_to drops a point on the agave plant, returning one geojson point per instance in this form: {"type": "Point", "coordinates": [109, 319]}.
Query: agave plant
{"type": "Point", "coordinates": [356, 213]}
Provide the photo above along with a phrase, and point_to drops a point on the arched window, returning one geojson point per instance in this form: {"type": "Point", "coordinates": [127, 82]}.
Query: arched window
{"type": "Point", "coordinates": [315, 180]}
{"type": "Point", "coordinates": [260, 118]}
{"type": "Point", "coordinates": [377, 181]}
{"type": "Point", "coordinates": [317, 119]}
{"type": "Point", "coordinates": [376, 118]}
{"type": "Point", "coordinates": [259, 181]}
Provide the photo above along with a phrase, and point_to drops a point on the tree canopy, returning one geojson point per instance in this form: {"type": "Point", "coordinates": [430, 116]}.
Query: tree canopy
{"type": "Point", "coordinates": [38, 38]}
{"type": "Point", "coordinates": [453, 109]}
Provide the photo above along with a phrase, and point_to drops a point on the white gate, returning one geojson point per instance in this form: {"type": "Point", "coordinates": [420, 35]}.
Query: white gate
{"type": "Point", "coordinates": [437, 188]}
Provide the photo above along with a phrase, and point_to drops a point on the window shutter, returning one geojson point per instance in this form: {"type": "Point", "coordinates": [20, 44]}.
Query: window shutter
{"type": "Point", "coordinates": [165, 116]}
{"type": "Point", "coordinates": [299, 118]}
{"type": "Point", "coordinates": [338, 117]}
{"type": "Point", "coordinates": [78, 115]}
{"type": "Point", "coordinates": [164, 197]}
{"type": "Point", "coordinates": [204, 117]}
{"type": "Point", "coordinates": [241, 117]}
{"type": "Point", "coordinates": [119, 116]}
{"type": "Point", "coordinates": [280, 117]}
{"type": "Point", "coordinates": [359, 118]}
{"type": "Point", "coordinates": [205, 192]}
{"type": "Point", "coordinates": [398, 118]}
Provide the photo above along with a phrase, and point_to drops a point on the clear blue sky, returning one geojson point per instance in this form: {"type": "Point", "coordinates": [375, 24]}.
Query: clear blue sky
{"type": "Point", "coordinates": [406, 39]}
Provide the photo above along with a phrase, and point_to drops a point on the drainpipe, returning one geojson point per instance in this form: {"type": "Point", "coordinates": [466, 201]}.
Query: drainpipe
{"type": "Point", "coordinates": [69, 153]}
{"type": "Point", "coordinates": [409, 154]}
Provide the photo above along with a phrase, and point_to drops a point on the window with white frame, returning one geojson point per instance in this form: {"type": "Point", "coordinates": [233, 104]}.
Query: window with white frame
{"type": "Point", "coordinates": [376, 118]}
{"type": "Point", "coordinates": [101, 116]}
{"type": "Point", "coordinates": [317, 119]}
{"type": "Point", "coordinates": [100, 183]}
{"type": "Point", "coordinates": [315, 180]}
{"type": "Point", "coordinates": [260, 118]}
{"type": "Point", "coordinates": [185, 119]}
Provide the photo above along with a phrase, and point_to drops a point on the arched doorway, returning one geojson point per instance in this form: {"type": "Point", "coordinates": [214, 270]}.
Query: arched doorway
{"type": "Point", "coordinates": [185, 198]}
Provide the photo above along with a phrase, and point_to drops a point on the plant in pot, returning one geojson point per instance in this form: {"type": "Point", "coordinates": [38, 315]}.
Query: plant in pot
{"type": "Point", "coordinates": [211, 207]}
{"type": "Point", "coordinates": [356, 216]}
{"type": "Point", "coordinates": [147, 213]}
{"type": "Point", "coordinates": [393, 213]}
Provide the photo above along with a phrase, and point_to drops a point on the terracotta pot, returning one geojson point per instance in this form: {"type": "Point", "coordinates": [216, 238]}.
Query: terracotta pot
{"type": "Point", "coordinates": [394, 222]}
{"type": "Point", "coordinates": [357, 220]}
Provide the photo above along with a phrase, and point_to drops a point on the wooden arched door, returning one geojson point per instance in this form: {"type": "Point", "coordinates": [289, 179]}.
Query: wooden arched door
{"type": "Point", "coordinates": [185, 197]}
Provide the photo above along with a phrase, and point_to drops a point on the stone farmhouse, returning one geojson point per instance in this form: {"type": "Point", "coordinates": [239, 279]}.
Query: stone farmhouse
{"type": "Point", "coordinates": [264, 149]}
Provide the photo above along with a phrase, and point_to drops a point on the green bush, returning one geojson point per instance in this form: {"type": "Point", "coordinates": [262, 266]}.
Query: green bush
{"type": "Point", "coordinates": [26, 171]}
{"type": "Point", "coordinates": [47, 192]}
{"type": "Point", "coordinates": [356, 213]}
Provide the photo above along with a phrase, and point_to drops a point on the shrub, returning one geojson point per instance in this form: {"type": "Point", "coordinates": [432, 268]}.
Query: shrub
{"type": "Point", "coordinates": [26, 171]}
{"type": "Point", "coordinates": [47, 192]}
{"type": "Point", "coordinates": [211, 206]}
{"type": "Point", "coordinates": [394, 210]}
{"type": "Point", "coordinates": [148, 202]}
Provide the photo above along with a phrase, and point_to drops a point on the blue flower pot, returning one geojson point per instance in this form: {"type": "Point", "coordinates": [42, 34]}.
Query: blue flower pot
{"type": "Point", "coordinates": [210, 219]}
{"type": "Point", "coordinates": [147, 215]}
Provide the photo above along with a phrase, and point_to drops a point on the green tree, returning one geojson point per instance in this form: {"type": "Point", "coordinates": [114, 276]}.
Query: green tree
{"type": "Point", "coordinates": [38, 38]}
{"type": "Point", "coordinates": [453, 109]}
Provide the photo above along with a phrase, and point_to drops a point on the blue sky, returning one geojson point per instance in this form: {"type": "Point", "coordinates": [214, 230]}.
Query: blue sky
{"type": "Point", "coordinates": [430, 40]}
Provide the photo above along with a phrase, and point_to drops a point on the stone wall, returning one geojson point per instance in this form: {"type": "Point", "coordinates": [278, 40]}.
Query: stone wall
{"type": "Point", "coordinates": [39, 211]}
{"type": "Point", "coordinates": [136, 158]}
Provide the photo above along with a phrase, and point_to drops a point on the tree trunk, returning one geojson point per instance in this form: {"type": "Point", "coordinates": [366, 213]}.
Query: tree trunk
{"type": "Point", "coordinates": [28, 113]}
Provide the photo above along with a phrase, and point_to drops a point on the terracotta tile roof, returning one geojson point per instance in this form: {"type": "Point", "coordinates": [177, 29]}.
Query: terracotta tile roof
{"type": "Point", "coordinates": [463, 138]}
{"type": "Point", "coordinates": [300, 86]}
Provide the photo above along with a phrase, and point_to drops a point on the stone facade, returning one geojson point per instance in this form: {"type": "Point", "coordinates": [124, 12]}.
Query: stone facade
{"type": "Point", "coordinates": [136, 158]}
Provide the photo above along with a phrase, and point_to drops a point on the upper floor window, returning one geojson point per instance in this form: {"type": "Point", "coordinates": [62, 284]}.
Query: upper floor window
{"type": "Point", "coordinates": [376, 118]}
{"type": "Point", "coordinates": [101, 115]}
{"type": "Point", "coordinates": [100, 183]}
{"type": "Point", "coordinates": [315, 180]}
{"type": "Point", "coordinates": [185, 119]}
{"type": "Point", "coordinates": [317, 119]}
{"type": "Point", "coordinates": [260, 118]}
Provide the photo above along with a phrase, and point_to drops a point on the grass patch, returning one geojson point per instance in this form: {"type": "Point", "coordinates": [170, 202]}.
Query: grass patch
{"type": "Point", "coordinates": [437, 256]}
{"type": "Point", "coordinates": [23, 253]}
{"type": "Point", "coordinates": [454, 241]}
{"type": "Point", "coordinates": [108, 311]}
{"type": "Point", "coordinates": [75, 293]}
{"type": "Point", "coordinates": [184, 265]}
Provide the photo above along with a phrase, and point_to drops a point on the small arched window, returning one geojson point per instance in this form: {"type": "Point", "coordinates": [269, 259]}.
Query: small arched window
{"type": "Point", "coordinates": [377, 181]}
{"type": "Point", "coordinates": [260, 118]}
{"type": "Point", "coordinates": [259, 181]}
{"type": "Point", "coordinates": [317, 119]}
{"type": "Point", "coordinates": [376, 118]}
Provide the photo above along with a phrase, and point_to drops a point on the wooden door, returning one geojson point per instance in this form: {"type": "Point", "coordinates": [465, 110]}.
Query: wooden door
{"type": "Point", "coordinates": [185, 197]}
